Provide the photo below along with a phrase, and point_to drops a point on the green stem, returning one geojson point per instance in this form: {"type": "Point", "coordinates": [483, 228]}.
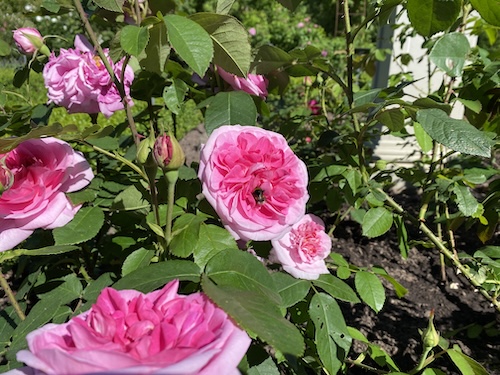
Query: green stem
{"type": "Point", "coordinates": [349, 52]}
{"type": "Point", "coordinates": [365, 367]}
{"type": "Point", "coordinates": [171, 178]}
{"type": "Point", "coordinates": [6, 288]}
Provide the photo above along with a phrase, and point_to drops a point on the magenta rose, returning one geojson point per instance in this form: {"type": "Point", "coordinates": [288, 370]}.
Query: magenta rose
{"type": "Point", "coordinates": [254, 84]}
{"type": "Point", "coordinates": [302, 250]}
{"type": "Point", "coordinates": [254, 181]}
{"type": "Point", "coordinates": [43, 170]}
{"type": "Point", "coordinates": [128, 332]}
{"type": "Point", "coordinates": [78, 80]}
{"type": "Point", "coordinates": [27, 39]}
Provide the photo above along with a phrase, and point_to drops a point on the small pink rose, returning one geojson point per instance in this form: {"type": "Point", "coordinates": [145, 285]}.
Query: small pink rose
{"type": "Point", "coordinates": [254, 181]}
{"type": "Point", "coordinates": [128, 332]}
{"type": "Point", "coordinates": [28, 40]}
{"type": "Point", "coordinates": [254, 84]}
{"type": "Point", "coordinates": [43, 171]}
{"type": "Point", "coordinates": [302, 251]}
{"type": "Point", "coordinates": [314, 107]}
{"type": "Point", "coordinates": [252, 31]}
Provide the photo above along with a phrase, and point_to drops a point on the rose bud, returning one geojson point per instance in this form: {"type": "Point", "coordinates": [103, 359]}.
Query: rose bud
{"type": "Point", "coordinates": [28, 40]}
{"type": "Point", "coordinates": [168, 153]}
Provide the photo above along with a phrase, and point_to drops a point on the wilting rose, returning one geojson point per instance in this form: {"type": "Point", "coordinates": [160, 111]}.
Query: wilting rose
{"type": "Point", "coordinates": [254, 181]}
{"type": "Point", "coordinates": [43, 171]}
{"type": "Point", "coordinates": [128, 332]}
{"type": "Point", "coordinates": [78, 80]}
{"type": "Point", "coordinates": [302, 250]}
{"type": "Point", "coordinates": [27, 39]}
{"type": "Point", "coordinates": [254, 84]}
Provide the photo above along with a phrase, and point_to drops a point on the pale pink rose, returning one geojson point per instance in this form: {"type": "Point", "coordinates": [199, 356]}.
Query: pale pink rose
{"type": "Point", "coordinates": [302, 251]}
{"type": "Point", "coordinates": [252, 31]}
{"type": "Point", "coordinates": [43, 171]}
{"type": "Point", "coordinates": [27, 39]}
{"type": "Point", "coordinates": [254, 181]}
{"type": "Point", "coordinates": [254, 84]}
{"type": "Point", "coordinates": [78, 80]}
{"type": "Point", "coordinates": [128, 332]}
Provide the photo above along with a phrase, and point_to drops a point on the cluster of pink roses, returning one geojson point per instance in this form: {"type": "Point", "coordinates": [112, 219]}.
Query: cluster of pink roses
{"type": "Point", "coordinates": [128, 332]}
{"type": "Point", "coordinates": [258, 187]}
{"type": "Point", "coordinates": [77, 79]}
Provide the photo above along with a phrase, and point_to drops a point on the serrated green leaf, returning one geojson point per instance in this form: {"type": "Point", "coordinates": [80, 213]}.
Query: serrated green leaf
{"type": "Point", "coordinates": [51, 5]}
{"type": "Point", "coordinates": [465, 364]}
{"type": "Point", "coordinates": [431, 16]}
{"type": "Point", "coordinates": [370, 289]}
{"type": "Point", "coordinates": [49, 250]}
{"type": "Point", "coordinates": [174, 94]}
{"type": "Point", "coordinates": [156, 275]}
{"type": "Point", "coordinates": [393, 118]}
{"type": "Point", "coordinates": [331, 335]}
{"type": "Point", "coordinates": [138, 259]}
{"type": "Point", "coordinates": [112, 5]}
{"type": "Point", "coordinates": [336, 288]}
{"type": "Point", "coordinates": [401, 291]}
{"type": "Point", "coordinates": [134, 39]}
{"type": "Point", "coordinates": [213, 240]}
{"type": "Point", "coordinates": [376, 222]}
{"type": "Point", "coordinates": [157, 50]}
{"type": "Point", "coordinates": [8, 322]}
{"type": "Point", "coordinates": [257, 313]}
{"type": "Point", "coordinates": [230, 108]}
{"type": "Point", "coordinates": [190, 41]}
{"type": "Point", "coordinates": [224, 6]}
{"type": "Point", "coordinates": [423, 139]}
{"type": "Point", "coordinates": [489, 10]}
{"type": "Point", "coordinates": [458, 135]}
{"type": "Point", "coordinates": [232, 49]}
{"type": "Point", "coordinates": [185, 233]}
{"type": "Point", "coordinates": [290, 289]}
{"type": "Point", "coordinates": [84, 226]}
{"type": "Point", "coordinates": [466, 202]}
{"type": "Point", "coordinates": [130, 199]}
{"type": "Point", "coordinates": [270, 58]}
{"type": "Point", "coordinates": [449, 53]}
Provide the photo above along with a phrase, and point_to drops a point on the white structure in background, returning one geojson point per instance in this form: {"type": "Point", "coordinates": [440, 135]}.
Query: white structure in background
{"type": "Point", "coordinates": [394, 149]}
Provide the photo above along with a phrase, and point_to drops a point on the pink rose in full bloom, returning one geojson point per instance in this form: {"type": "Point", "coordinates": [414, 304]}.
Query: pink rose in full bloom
{"type": "Point", "coordinates": [128, 332]}
{"type": "Point", "coordinates": [254, 84]}
{"type": "Point", "coordinates": [78, 80]}
{"type": "Point", "coordinates": [254, 181]}
{"type": "Point", "coordinates": [43, 171]}
{"type": "Point", "coordinates": [27, 39]}
{"type": "Point", "coordinates": [302, 251]}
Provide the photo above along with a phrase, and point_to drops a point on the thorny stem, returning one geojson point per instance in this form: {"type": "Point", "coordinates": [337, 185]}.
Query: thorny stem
{"type": "Point", "coordinates": [6, 288]}
{"type": "Point", "coordinates": [441, 247]}
{"type": "Point", "coordinates": [105, 61]}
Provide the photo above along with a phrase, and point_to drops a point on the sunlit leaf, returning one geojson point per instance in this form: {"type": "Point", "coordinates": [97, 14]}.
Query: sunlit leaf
{"type": "Point", "coordinates": [370, 289]}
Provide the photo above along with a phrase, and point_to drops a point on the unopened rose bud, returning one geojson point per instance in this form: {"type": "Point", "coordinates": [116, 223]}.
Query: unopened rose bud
{"type": "Point", "coordinates": [28, 40]}
{"type": "Point", "coordinates": [430, 337]}
{"type": "Point", "coordinates": [168, 153]}
{"type": "Point", "coordinates": [6, 178]}
{"type": "Point", "coordinates": [144, 149]}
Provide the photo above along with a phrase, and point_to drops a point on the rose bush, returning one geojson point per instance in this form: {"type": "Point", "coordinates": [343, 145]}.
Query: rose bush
{"type": "Point", "coordinates": [302, 250]}
{"type": "Point", "coordinates": [43, 171]}
{"type": "Point", "coordinates": [128, 332]}
{"type": "Point", "coordinates": [254, 84]}
{"type": "Point", "coordinates": [78, 80]}
{"type": "Point", "coordinates": [254, 181]}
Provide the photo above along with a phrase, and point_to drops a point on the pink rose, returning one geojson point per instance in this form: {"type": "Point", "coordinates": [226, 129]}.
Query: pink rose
{"type": "Point", "coordinates": [302, 250]}
{"type": "Point", "coordinates": [128, 332]}
{"type": "Point", "coordinates": [78, 80]}
{"type": "Point", "coordinates": [27, 40]}
{"type": "Point", "coordinates": [314, 107]}
{"type": "Point", "coordinates": [254, 84]}
{"type": "Point", "coordinates": [43, 171]}
{"type": "Point", "coordinates": [254, 181]}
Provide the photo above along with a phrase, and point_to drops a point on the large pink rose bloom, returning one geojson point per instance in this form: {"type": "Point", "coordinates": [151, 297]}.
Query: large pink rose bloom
{"type": "Point", "coordinates": [254, 84]}
{"type": "Point", "coordinates": [254, 181]}
{"type": "Point", "coordinates": [40, 172]}
{"type": "Point", "coordinates": [302, 251]}
{"type": "Point", "coordinates": [78, 80]}
{"type": "Point", "coordinates": [128, 332]}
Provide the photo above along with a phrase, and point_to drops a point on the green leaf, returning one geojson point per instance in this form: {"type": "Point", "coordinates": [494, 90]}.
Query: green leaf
{"type": "Point", "coordinates": [130, 199]}
{"type": "Point", "coordinates": [270, 58]}
{"type": "Point", "coordinates": [190, 41]}
{"type": "Point", "coordinates": [49, 250]}
{"type": "Point", "coordinates": [465, 364]}
{"type": "Point", "coordinates": [134, 39]}
{"type": "Point", "coordinates": [402, 233]}
{"type": "Point", "coordinates": [174, 94]}
{"type": "Point", "coordinates": [290, 4]}
{"type": "Point", "coordinates": [400, 290]}
{"type": "Point", "coordinates": [382, 358]}
{"type": "Point", "coordinates": [213, 240]}
{"type": "Point", "coordinates": [458, 135]}
{"type": "Point", "coordinates": [449, 53]}
{"type": "Point", "coordinates": [84, 226]}
{"type": "Point", "coordinates": [224, 6]}
{"type": "Point", "coordinates": [230, 108]}
{"type": "Point", "coordinates": [267, 367]}
{"type": "Point", "coordinates": [185, 231]}
{"type": "Point", "coordinates": [489, 10]}
{"type": "Point", "coordinates": [156, 275]}
{"type": "Point", "coordinates": [290, 289]}
{"type": "Point", "coordinates": [242, 270]}
{"type": "Point", "coordinates": [331, 335]}
{"type": "Point", "coordinates": [51, 5]}
{"type": "Point", "coordinates": [423, 139]}
{"type": "Point", "coordinates": [8, 322]}
{"type": "Point", "coordinates": [467, 204]}
{"type": "Point", "coordinates": [258, 314]}
{"type": "Point", "coordinates": [232, 50]}
{"type": "Point", "coordinates": [393, 118]}
{"type": "Point", "coordinates": [136, 260]}
{"type": "Point", "coordinates": [433, 371]}
{"type": "Point", "coordinates": [157, 50]}
{"type": "Point", "coordinates": [336, 288]}
{"type": "Point", "coordinates": [376, 222]}
{"type": "Point", "coordinates": [112, 5]}
{"type": "Point", "coordinates": [92, 291]}
{"type": "Point", "coordinates": [4, 48]}
{"type": "Point", "coordinates": [431, 16]}
{"type": "Point", "coordinates": [370, 289]}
